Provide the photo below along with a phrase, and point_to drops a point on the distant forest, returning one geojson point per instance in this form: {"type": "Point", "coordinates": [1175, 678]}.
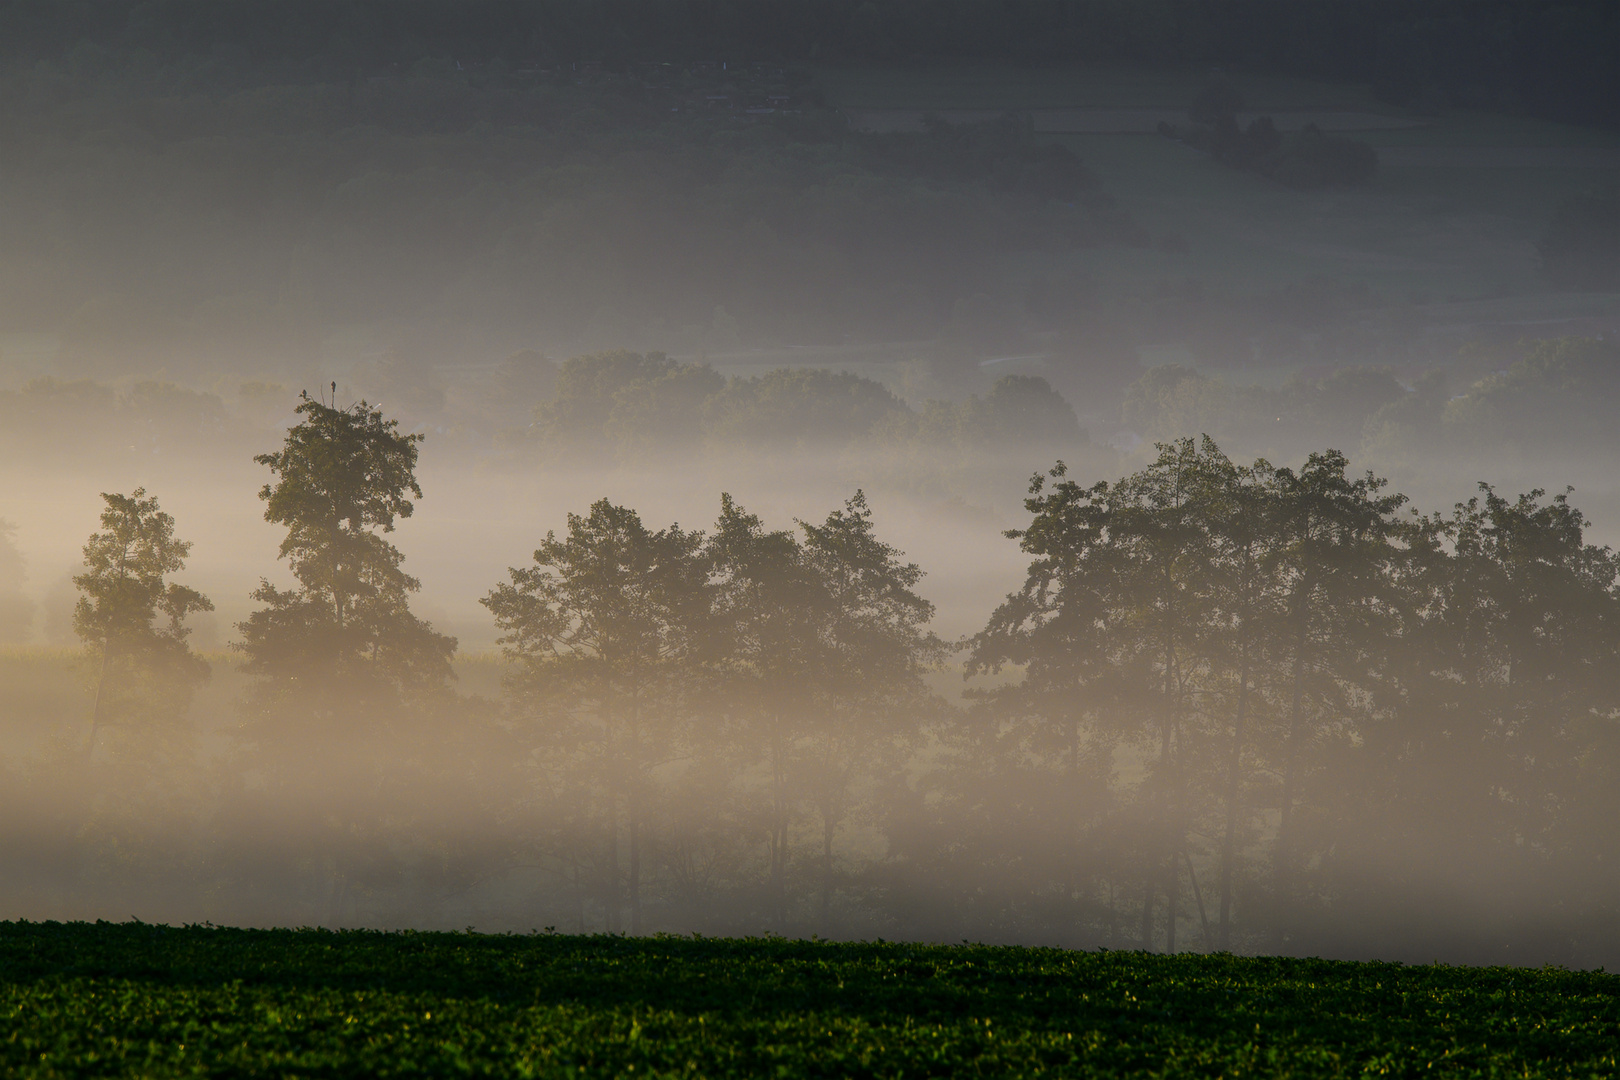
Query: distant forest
{"type": "Point", "coordinates": [1552, 58]}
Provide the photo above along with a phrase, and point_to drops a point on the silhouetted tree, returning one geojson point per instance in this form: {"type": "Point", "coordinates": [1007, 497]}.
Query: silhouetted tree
{"type": "Point", "coordinates": [131, 616]}
{"type": "Point", "coordinates": [1242, 510]}
{"type": "Point", "coordinates": [1334, 547]}
{"type": "Point", "coordinates": [341, 659]}
{"type": "Point", "coordinates": [1064, 718]}
{"type": "Point", "coordinates": [868, 693]}
{"type": "Point", "coordinates": [603, 627]}
{"type": "Point", "coordinates": [343, 478]}
{"type": "Point", "coordinates": [1495, 690]}
{"type": "Point", "coordinates": [767, 656]}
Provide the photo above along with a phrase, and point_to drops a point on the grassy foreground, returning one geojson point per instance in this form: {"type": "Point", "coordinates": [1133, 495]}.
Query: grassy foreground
{"type": "Point", "coordinates": [134, 999]}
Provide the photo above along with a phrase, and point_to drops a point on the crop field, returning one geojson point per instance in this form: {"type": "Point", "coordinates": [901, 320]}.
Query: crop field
{"type": "Point", "coordinates": [136, 999]}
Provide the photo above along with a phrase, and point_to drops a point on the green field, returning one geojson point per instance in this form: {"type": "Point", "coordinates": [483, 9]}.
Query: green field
{"type": "Point", "coordinates": [135, 999]}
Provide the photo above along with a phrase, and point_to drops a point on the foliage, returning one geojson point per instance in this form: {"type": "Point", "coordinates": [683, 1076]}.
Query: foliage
{"type": "Point", "coordinates": [605, 628]}
{"type": "Point", "coordinates": [1335, 409]}
{"type": "Point", "coordinates": [131, 616]}
{"type": "Point", "coordinates": [1553, 397]}
{"type": "Point", "coordinates": [799, 662]}
{"type": "Point", "coordinates": [794, 408]}
{"type": "Point", "coordinates": [158, 1001]}
{"type": "Point", "coordinates": [627, 401]}
{"type": "Point", "coordinates": [634, 405]}
{"type": "Point", "coordinates": [138, 764]}
{"type": "Point", "coordinates": [1232, 706]}
{"type": "Point", "coordinates": [1021, 409]}
{"type": "Point", "coordinates": [148, 418]}
{"type": "Point", "coordinates": [1265, 643]}
{"type": "Point", "coordinates": [1549, 396]}
{"type": "Point", "coordinates": [1018, 411]}
{"type": "Point", "coordinates": [341, 662]}
{"type": "Point", "coordinates": [343, 477]}
{"type": "Point", "coordinates": [527, 377]}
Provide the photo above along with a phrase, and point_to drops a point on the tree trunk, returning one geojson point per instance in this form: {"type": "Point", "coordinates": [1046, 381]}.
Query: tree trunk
{"type": "Point", "coordinates": [611, 899]}
{"type": "Point", "coordinates": [1159, 827]}
{"type": "Point", "coordinates": [634, 806]}
{"type": "Point", "coordinates": [1233, 784]}
{"type": "Point", "coordinates": [1285, 839]}
{"type": "Point", "coordinates": [1172, 893]}
{"type": "Point", "coordinates": [1072, 828]}
{"type": "Point", "coordinates": [778, 833]}
{"type": "Point", "coordinates": [635, 864]}
{"type": "Point", "coordinates": [106, 660]}
{"type": "Point", "coordinates": [826, 866]}
{"type": "Point", "coordinates": [1198, 897]}
{"type": "Point", "coordinates": [579, 896]}
{"type": "Point", "coordinates": [95, 710]}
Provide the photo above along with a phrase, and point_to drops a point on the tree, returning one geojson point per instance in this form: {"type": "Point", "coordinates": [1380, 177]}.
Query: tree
{"type": "Point", "coordinates": [339, 724]}
{"type": "Point", "coordinates": [1498, 692]}
{"type": "Point", "coordinates": [1334, 548]}
{"type": "Point", "coordinates": [1162, 518]}
{"type": "Point", "coordinates": [867, 686]}
{"type": "Point", "coordinates": [766, 655]}
{"type": "Point", "coordinates": [627, 402]}
{"type": "Point", "coordinates": [604, 627]}
{"type": "Point", "coordinates": [798, 408]}
{"type": "Point", "coordinates": [1063, 718]}
{"type": "Point", "coordinates": [131, 616]}
{"type": "Point", "coordinates": [1242, 510]}
{"type": "Point", "coordinates": [1141, 621]}
{"type": "Point", "coordinates": [344, 477]}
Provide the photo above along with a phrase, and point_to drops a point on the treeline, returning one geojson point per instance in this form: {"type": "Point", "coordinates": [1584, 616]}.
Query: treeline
{"type": "Point", "coordinates": [623, 407]}
{"type": "Point", "coordinates": [628, 404]}
{"type": "Point", "coordinates": [601, 408]}
{"type": "Point", "coordinates": [1549, 57]}
{"type": "Point", "coordinates": [1232, 707]}
{"type": "Point", "coordinates": [1546, 398]}
{"type": "Point", "coordinates": [146, 417]}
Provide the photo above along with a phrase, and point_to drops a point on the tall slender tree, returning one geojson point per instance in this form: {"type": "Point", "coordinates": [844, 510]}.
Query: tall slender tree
{"type": "Point", "coordinates": [766, 655]}
{"type": "Point", "coordinates": [1242, 514]}
{"type": "Point", "coordinates": [1066, 629]}
{"type": "Point", "coordinates": [875, 648]}
{"type": "Point", "coordinates": [1162, 520]}
{"type": "Point", "coordinates": [1336, 541]}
